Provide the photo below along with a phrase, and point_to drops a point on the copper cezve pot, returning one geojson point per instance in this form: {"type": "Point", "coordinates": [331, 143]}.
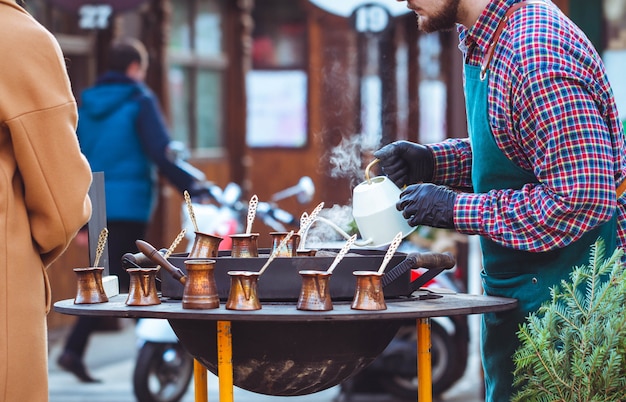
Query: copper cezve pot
{"type": "Point", "coordinates": [142, 289]}
{"type": "Point", "coordinates": [89, 289]}
{"type": "Point", "coordinates": [243, 293]}
{"type": "Point", "coordinates": [200, 290]}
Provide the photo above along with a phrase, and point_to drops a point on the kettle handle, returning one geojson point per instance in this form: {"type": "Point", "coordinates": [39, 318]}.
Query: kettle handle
{"type": "Point", "coordinates": [367, 170]}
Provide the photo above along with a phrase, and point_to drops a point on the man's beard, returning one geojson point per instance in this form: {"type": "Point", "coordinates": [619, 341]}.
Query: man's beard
{"type": "Point", "coordinates": [444, 20]}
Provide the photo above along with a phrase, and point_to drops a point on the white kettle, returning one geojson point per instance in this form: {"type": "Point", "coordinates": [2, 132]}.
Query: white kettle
{"type": "Point", "coordinates": [374, 210]}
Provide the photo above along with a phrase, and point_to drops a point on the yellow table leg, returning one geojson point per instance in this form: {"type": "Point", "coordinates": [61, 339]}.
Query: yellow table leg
{"type": "Point", "coordinates": [225, 361]}
{"type": "Point", "coordinates": [200, 378]}
{"type": "Point", "coordinates": [424, 367]}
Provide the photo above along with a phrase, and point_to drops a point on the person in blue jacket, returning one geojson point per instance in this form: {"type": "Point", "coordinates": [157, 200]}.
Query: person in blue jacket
{"type": "Point", "coordinates": [122, 132]}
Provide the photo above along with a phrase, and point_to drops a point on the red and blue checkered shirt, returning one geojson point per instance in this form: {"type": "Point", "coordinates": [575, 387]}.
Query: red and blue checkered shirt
{"type": "Point", "coordinates": [552, 112]}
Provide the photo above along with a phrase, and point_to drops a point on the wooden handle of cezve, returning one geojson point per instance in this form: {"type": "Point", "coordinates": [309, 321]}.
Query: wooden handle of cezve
{"type": "Point", "coordinates": [153, 254]}
{"type": "Point", "coordinates": [432, 260]}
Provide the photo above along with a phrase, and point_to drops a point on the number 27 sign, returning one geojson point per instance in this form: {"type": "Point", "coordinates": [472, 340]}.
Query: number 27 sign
{"type": "Point", "coordinates": [96, 14]}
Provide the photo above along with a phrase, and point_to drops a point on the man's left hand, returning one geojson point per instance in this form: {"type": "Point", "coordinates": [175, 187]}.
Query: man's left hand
{"type": "Point", "coordinates": [428, 204]}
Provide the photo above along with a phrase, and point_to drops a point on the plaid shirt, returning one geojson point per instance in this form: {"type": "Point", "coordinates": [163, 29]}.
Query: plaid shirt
{"type": "Point", "coordinates": [552, 112]}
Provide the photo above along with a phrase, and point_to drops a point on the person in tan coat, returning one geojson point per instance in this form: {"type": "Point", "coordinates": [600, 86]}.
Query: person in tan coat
{"type": "Point", "coordinates": [44, 183]}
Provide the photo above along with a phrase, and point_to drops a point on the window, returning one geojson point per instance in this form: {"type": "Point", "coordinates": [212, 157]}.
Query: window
{"type": "Point", "coordinates": [615, 53]}
{"type": "Point", "coordinates": [277, 85]}
{"type": "Point", "coordinates": [197, 64]}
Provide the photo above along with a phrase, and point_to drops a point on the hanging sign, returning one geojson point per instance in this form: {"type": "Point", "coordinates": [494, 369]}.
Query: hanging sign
{"type": "Point", "coordinates": [116, 5]}
{"type": "Point", "coordinates": [370, 18]}
{"type": "Point", "coordinates": [95, 14]}
{"type": "Point", "coordinates": [346, 8]}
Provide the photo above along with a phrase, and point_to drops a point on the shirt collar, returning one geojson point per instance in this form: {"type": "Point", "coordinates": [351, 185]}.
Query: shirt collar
{"type": "Point", "coordinates": [484, 28]}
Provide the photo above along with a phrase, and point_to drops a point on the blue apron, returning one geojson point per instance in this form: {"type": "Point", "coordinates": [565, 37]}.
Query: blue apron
{"type": "Point", "coordinates": [522, 275]}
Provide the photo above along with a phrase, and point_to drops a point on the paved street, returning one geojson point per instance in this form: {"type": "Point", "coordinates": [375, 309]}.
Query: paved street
{"type": "Point", "coordinates": [111, 357]}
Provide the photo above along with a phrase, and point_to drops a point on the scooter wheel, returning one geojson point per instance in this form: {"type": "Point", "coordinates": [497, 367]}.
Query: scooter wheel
{"type": "Point", "coordinates": [162, 372]}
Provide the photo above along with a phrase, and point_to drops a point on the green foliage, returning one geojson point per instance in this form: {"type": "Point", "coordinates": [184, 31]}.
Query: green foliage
{"type": "Point", "coordinates": [574, 348]}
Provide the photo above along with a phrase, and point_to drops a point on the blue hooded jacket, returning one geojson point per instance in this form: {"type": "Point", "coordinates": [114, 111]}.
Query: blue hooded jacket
{"type": "Point", "coordinates": [122, 133]}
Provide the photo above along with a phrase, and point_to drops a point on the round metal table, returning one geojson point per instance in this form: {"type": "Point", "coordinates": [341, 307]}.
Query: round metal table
{"type": "Point", "coordinates": [418, 309]}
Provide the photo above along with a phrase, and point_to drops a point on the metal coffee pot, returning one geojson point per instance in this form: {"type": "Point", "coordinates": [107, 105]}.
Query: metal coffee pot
{"type": "Point", "coordinates": [368, 294]}
{"type": "Point", "coordinates": [89, 288]}
{"type": "Point", "coordinates": [200, 289]}
{"type": "Point", "coordinates": [315, 291]}
{"type": "Point", "coordinates": [288, 249]}
{"type": "Point", "coordinates": [243, 294]}
{"type": "Point", "coordinates": [374, 210]}
{"type": "Point", "coordinates": [205, 245]}
{"type": "Point", "coordinates": [142, 289]}
{"type": "Point", "coordinates": [244, 245]}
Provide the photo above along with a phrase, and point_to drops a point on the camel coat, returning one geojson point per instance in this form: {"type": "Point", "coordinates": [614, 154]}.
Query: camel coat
{"type": "Point", "coordinates": [44, 180]}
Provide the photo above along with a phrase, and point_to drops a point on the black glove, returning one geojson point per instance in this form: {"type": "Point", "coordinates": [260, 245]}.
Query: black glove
{"type": "Point", "coordinates": [428, 204]}
{"type": "Point", "coordinates": [406, 162]}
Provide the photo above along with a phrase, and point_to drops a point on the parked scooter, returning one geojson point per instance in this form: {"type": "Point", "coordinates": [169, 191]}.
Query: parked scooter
{"type": "Point", "coordinates": [164, 369]}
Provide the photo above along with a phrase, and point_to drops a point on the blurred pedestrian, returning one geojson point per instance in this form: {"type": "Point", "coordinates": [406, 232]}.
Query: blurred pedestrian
{"type": "Point", "coordinates": [545, 158]}
{"type": "Point", "coordinates": [44, 185]}
{"type": "Point", "coordinates": [122, 133]}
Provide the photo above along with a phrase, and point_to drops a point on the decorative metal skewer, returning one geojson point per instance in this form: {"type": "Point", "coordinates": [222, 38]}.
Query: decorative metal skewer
{"type": "Point", "coordinates": [344, 250]}
{"type": "Point", "coordinates": [316, 211]}
{"type": "Point", "coordinates": [304, 226]}
{"type": "Point", "coordinates": [254, 201]}
{"type": "Point", "coordinates": [173, 246]}
{"type": "Point", "coordinates": [175, 243]}
{"type": "Point", "coordinates": [102, 239]}
{"type": "Point", "coordinates": [304, 220]}
{"type": "Point", "coordinates": [390, 252]}
{"type": "Point", "coordinates": [192, 215]}
{"type": "Point", "coordinates": [282, 244]}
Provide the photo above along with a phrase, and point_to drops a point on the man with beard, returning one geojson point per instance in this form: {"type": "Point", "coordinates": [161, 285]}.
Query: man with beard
{"type": "Point", "coordinates": [544, 159]}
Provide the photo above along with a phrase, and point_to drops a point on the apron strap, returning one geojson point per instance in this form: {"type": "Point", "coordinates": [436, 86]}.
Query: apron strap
{"type": "Point", "coordinates": [494, 41]}
{"type": "Point", "coordinates": [621, 188]}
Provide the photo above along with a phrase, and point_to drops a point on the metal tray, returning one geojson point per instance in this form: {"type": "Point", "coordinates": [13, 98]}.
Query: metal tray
{"type": "Point", "coordinates": [282, 282]}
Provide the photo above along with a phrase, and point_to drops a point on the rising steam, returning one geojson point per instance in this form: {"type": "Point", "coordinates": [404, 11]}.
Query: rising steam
{"type": "Point", "coordinates": [346, 159]}
{"type": "Point", "coordinates": [321, 234]}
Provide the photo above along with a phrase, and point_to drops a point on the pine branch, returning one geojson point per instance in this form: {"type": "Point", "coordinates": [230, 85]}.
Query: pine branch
{"type": "Point", "coordinates": [574, 348]}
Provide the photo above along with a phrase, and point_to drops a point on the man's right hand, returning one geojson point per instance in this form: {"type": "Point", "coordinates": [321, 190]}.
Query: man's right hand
{"type": "Point", "coordinates": [406, 163]}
